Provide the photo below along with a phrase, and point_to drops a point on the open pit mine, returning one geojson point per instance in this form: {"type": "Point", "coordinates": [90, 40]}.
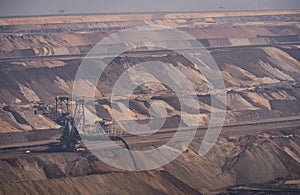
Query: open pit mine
{"type": "Point", "coordinates": [257, 152]}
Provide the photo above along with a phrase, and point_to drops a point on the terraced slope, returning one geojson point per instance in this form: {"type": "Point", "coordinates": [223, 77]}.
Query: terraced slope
{"type": "Point", "coordinates": [234, 160]}
{"type": "Point", "coordinates": [258, 54]}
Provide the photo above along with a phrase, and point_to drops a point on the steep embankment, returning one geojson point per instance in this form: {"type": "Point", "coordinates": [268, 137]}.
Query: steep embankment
{"type": "Point", "coordinates": [234, 160]}
{"type": "Point", "coordinates": [257, 54]}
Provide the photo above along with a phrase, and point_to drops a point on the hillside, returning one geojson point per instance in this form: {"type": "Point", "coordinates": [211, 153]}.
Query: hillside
{"type": "Point", "coordinates": [258, 54]}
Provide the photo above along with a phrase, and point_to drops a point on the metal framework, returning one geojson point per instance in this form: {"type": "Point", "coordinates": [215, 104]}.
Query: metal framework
{"type": "Point", "coordinates": [70, 124]}
{"type": "Point", "coordinates": [79, 117]}
{"type": "Point", "coordinates": [61, 105]}
{"type": "Point", "coordinates": [75, 123]}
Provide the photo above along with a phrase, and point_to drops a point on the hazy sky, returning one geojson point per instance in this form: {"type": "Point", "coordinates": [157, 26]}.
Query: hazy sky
{"type": "Point", "coordinates": [44, 7]}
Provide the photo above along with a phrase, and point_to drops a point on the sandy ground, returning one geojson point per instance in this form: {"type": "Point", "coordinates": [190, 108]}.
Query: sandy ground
{"type": "Point", "coordinates": [256, 52]}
